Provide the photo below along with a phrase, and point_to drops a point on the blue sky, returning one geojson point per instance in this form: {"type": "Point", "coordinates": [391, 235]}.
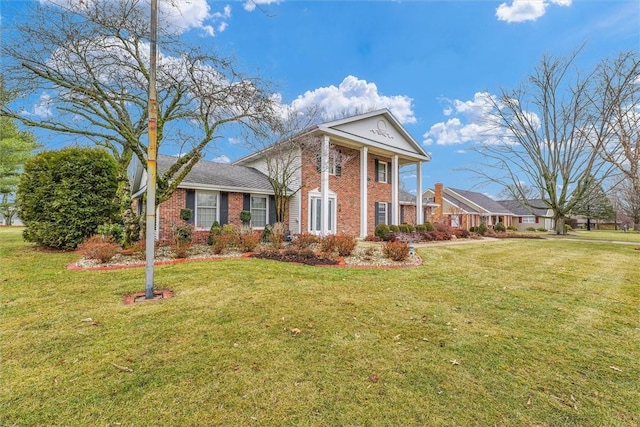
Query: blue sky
{"type": "Point", "coordinates": [432, 63]}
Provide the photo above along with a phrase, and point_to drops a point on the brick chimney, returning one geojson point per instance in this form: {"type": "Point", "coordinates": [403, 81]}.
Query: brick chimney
{"type": "Point", "coordinates": [437, 198]}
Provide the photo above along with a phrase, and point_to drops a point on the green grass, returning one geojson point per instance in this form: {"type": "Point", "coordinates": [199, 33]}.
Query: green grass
{"type": "Point", "coordinates": [506, 333]}
{"type": "Point", "coordinates": [606, 235]}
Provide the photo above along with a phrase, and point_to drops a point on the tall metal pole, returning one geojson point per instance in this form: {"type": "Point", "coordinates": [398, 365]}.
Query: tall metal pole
{"type": "Point", "coordinates": [151, 155]}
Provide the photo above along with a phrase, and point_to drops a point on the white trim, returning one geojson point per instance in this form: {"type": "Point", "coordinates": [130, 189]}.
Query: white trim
{"type": "Point", "coordinates": [324, 184]}
{"type": "Point", "coordinates": [267, 210]}
{"type": "Point", "coordinates": [419, 208]}
{"type": "Point", "coordinates": [394, 190]}
{"type": "Point", "coordinates": [314, 195]}
{"type": "Point", "coordinates": [195, 208]}
{"type": "Point", "coordinates": [364, 181]}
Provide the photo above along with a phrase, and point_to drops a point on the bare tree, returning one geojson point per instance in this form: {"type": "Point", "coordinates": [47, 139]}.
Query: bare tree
{"type": "Point", "coordinates": [290, 146]}
{"type": "Point", "coordinates": [615, 127]}
{"type": "Point", "coordinates": [537, 139]}
{"type": "Point", "coordinates": [90, 66]}
{"type": "Point", "coordinates": [626, 201]}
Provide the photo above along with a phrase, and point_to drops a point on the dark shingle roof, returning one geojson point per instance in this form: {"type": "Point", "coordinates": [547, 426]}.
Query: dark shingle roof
{"type": "Point", "coordinates": [481, 200]}
{"type": "Point", "coordinates": [518, 208]}
{"type": "Point", "coordinates": [222, 175]}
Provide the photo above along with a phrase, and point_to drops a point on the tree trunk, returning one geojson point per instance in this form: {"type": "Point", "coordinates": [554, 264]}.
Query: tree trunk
{"type": "Point", "coordinates": [560, 229]}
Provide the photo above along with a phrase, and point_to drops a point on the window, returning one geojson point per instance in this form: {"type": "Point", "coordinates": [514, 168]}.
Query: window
{"type": "Point", "coordinates": [382, 171]}
{"type": "Point", "coordinates": [381, 213]}
{"type": "Point", "coordinates": [528, 220]}
{"type": "Point", "coordinates": [258, 211]}
{"type": "Point", "coordinates": [455, 221]}
{"type": "Point", "coordinates": [334, 164]}
{"type": "Point", "coordinates": [206, 209]}
{"type": "Point", "coordinates": [315, 215]}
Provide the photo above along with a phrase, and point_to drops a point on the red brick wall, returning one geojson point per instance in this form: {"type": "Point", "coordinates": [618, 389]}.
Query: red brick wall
{"type": "Point", "coordinates": [170, 214]}
{"type": "Point", "coordinates": [347, 189]}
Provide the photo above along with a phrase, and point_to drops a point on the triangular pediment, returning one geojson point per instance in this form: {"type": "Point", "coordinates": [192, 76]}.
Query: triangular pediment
{"type": "Point", "coordinates": [378, 129]}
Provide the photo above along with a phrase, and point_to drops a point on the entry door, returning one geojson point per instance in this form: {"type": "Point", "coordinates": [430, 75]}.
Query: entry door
{"type": "Point", "coordinates": [315, 221]}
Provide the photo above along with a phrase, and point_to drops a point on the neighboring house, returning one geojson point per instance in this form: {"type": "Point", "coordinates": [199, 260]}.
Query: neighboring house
{"type": "Point", "coordinates": [408, 208]}
{"type": "Point", "coordinates": [465, 209]}
{"type": "Point", "coordinates": [349, 185]}
{"type": "Point", "coordinates": [525, 217]}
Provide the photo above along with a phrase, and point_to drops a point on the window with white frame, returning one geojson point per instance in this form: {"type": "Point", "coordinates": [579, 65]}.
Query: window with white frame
{"type": "Point", "coordinates": [381, 213]}
{"type": "Point", "coordinates": [382, 172]}
{"type": "Point", "coordinates": [315, 214]}
{"type": "Point", "coordinates": [206, 209]}
{"type": "Point", "coordinates": [455, 221]}
{"type": "Point", "coordinates": [259, 211]}
{"type": "Point", "coordinates": [529, 219]}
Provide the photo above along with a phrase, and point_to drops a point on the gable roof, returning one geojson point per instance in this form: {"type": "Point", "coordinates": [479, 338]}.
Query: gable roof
{"type": "Point", "coordinates": [379, 130]}
{"type": "Point", "coordinates": [480, 200]}
{"type": "Point", "coordinates": [223, 176]}
{"type": "Point", "coordinates": [518, 208]}
{"type": "Point", "coordinates": [210, 175]}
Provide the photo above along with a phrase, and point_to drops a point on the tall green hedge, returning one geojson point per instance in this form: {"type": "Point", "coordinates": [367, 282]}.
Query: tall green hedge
{"type": "Point", "coordinates": [64, 195]}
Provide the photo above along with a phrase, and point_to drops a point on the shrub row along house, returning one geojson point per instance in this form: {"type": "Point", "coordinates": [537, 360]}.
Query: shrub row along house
{"type": "Point", "coordinates": [344, 178]}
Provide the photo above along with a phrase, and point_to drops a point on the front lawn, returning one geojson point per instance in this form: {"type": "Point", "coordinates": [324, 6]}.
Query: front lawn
{"type": "Point", "coordinates": [508, 333]}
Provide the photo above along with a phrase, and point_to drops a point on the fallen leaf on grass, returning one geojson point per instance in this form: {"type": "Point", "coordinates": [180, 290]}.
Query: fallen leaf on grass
{"type": "Point", "coordinates": [615, 368]}
{"type": "Point", "coordinates": [122, 368]}
{"type": "Point", "coordinates": [374, 378]}
{"type": "Point", "coordinates": [454, 362]}
{"type": "Point", "coordinates": [295, 331]}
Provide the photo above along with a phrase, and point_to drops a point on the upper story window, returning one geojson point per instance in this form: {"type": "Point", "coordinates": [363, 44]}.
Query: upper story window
{"type": "Point", "coordinates": [382, 171]}
{"type": "Point", "coordinates": [206, 208]}
{"type": "Point", "coordinates": [334, 164]}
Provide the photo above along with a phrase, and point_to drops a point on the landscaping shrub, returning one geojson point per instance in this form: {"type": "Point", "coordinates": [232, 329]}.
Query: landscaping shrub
{"type": "Point", "coordinates": [277, 235]}
{"type": "Point", "coordinates": [214, 232]}
{"type": "Point", "coordinates": [404, 228]}
{"type": "Point", "coordinates": [116, 231]}
{"type": "Point", "coordinates": [428, 226]}
{"type": "Point", "coordinates": [482, 229]}
{"type": "Point", "coordinates": [568, 228]}
{"type": "Point", "coordinates": [394, 228]}
{"type": "Point", "coordinates": [222, 243]}
{"type": "Point", "coordinates": [512, 228]}
{"type": "Point", "coordinates": [396, 251]}
{"type": "Point", "coordinates": [181, 240]}
{"type": "Point", "coordinates": [499, 227]}
{"type": "Point", "coordinates": [420, 228]}
{"type": "Point", "coordinates": [305, 240]}
{"type": "Point", "coordinates": [64, 195]}
{"type": "Point", "coordinates": [98, 247]}
{"type": "Point", "coordinates": [186, 214]}
{"type": "Point", "coordinates": [542, 229]}
{"type": "Point", "coordinates": [343, 244]}
{"type": "Point", "coordinates": [382, 231]}
{"type": "Point", "coordinates": [372, 238]}
{"type": "Point", "coordinates": [531, 229]}
{"type": "Point", "coordinates": [248, 242]}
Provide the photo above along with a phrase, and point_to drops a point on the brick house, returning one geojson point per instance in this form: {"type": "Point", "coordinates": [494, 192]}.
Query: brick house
{"type": "Point", "coordinates": [348, 182]}
{"type": "Point", "coordinates": [465, 209]}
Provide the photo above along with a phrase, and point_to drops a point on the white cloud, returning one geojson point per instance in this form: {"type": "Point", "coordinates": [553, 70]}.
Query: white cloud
{"type": "Point", "coordinates": [222, 159]}
{"type": "Point", "coordinates": [354, 95]}
{"type": "Point", "coordinates": [177, 16]}
{"type": "Point", "coordinates": [250, 5]}
{"type": "Point", "coordinates": [472, 121]}
{"type": "Point", "coordinates": [42, 108]}
{"type": "Point", "coordinates": [526, 10]}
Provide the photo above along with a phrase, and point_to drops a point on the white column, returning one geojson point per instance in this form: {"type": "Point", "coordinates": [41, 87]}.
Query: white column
{"type": "Point", "coordinates": [419, 213]}
{"type": "Point", "coordinates": [395, 205]}
{"type": "Point", "coordinates": [324, 185]}
{"type": "Point", "coordinates": [364, 181]}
